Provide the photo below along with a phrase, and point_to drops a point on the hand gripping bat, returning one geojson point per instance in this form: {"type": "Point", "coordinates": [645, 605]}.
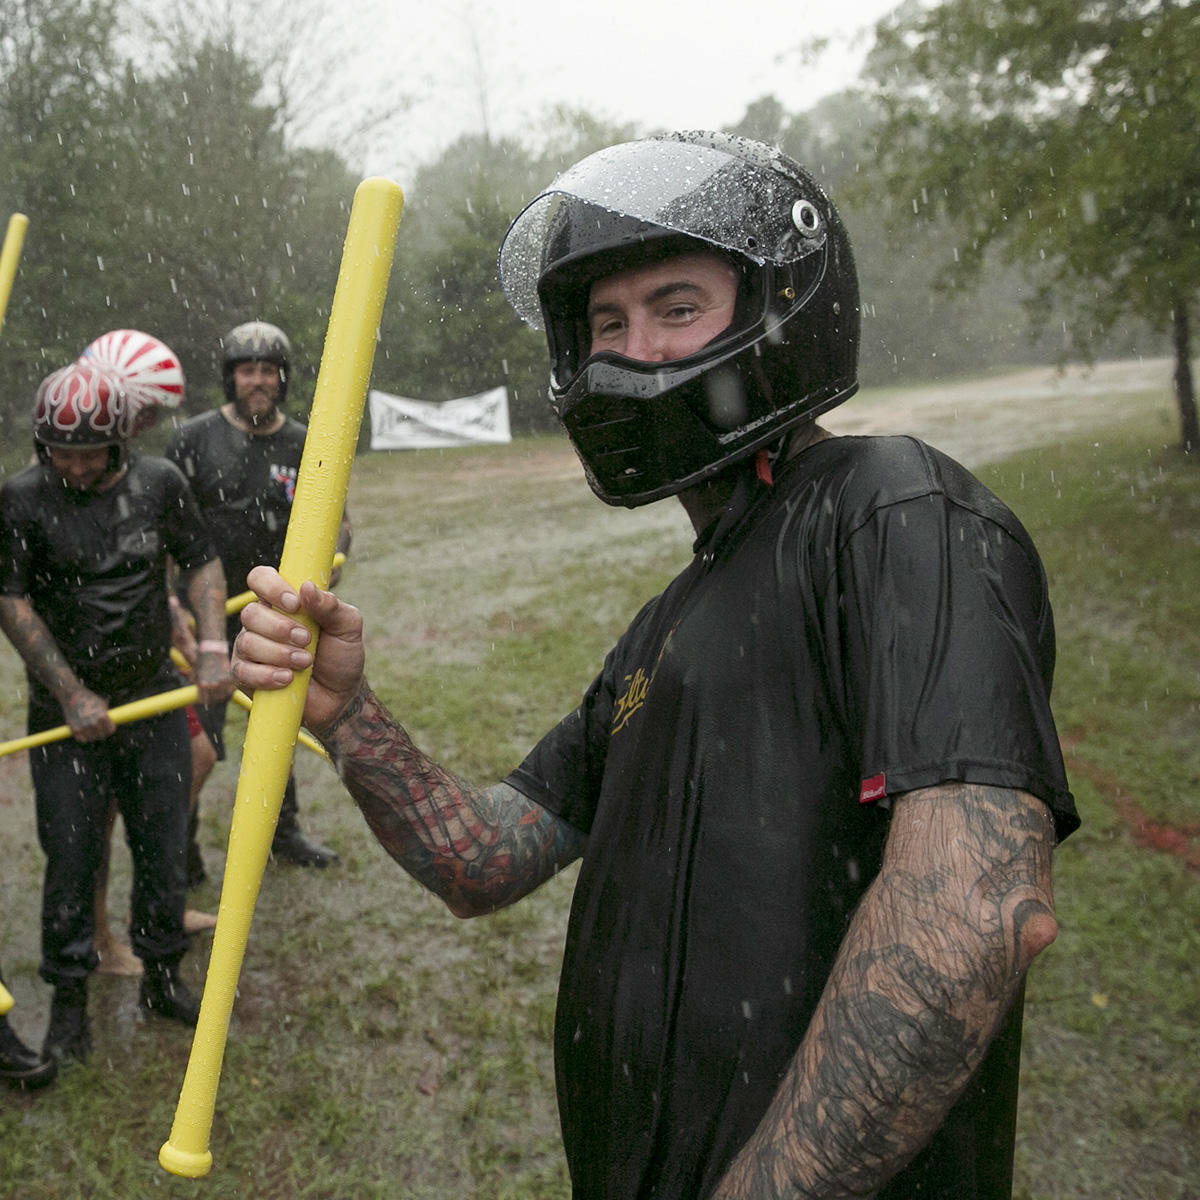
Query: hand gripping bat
{"type": "Point", "coordinates": [275, 718]}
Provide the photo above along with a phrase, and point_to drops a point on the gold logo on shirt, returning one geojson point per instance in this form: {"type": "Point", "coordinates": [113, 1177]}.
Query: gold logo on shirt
{"type": "Point", "coordinates": [631, 699]}
{"type": "Point", "coordinates": [636, 687]}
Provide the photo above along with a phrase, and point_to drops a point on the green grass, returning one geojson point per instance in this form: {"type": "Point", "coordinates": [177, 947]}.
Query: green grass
{"type": "Point", "coordinates": [1111, 1100]}
{"type": "Point", "coordinates": [381, 1048]}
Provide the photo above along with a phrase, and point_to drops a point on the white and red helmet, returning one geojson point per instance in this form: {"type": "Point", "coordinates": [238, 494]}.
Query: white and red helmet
{"type": "Point", "coordinates": [149, 369]}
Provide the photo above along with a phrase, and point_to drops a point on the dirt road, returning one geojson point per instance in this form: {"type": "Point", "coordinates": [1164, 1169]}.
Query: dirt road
{"type": "Point", "coordinates": [978, 421]}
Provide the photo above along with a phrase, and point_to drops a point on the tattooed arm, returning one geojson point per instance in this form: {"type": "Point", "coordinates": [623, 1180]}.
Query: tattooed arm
{"type": "Point", "coordinates": [83, 711]}
{"type": "Point", "coordinates": [205, 588]}
{"type": "Point", "coordinates": [932, 960]}
{"type": "Point", "coordinates": [477, 849]}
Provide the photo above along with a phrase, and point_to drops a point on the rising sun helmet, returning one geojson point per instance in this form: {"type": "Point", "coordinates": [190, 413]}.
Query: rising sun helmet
{"type": "Point", "coordinates": [149, 369]}
{"type": "Point", "coordinates": [649, 430]}
{"type": "Point", "coordinates": [255, 341]}
{"type": "Point", "coordinates": [81, 407]}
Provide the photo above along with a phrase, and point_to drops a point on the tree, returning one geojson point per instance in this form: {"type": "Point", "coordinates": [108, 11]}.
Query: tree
{"type": "Point", "coordinates": [448, 330]}
{"type": "Point", "coordinates": [233, 223]}
{"type": "Point", "coordinates": [165, 196]}
{"type": "Point", "coordinates": [56, 75]}
{"type": "Point", "coordinates": [1063, 135]}
{"type": "Point", "coordinates": [912, 328]}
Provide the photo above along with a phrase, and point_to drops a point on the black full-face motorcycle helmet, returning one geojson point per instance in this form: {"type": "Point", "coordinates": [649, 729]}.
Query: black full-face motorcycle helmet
{"type": "Point", "coordinates": [648, 430]}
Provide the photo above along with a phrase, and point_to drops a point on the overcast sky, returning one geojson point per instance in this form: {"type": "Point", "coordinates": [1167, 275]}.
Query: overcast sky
{"type": "Point", "coordinates": [662, 65]}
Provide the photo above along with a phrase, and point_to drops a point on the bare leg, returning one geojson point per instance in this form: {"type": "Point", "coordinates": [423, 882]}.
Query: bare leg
{"type": "Point", "coordinates": [204, 758]}
{"type": "Point", "coordinates": [116, 958]}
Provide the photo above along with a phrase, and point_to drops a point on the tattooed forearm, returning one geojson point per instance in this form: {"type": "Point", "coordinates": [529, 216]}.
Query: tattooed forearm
{"type": "Point", "coordinates": [479, 850]}
{"type": "Point", "coordinates": [205, 587]}
{"type": "Point", "coordinates": [37, 647]}
{"type": "Point", "coordinates": [928, 970]}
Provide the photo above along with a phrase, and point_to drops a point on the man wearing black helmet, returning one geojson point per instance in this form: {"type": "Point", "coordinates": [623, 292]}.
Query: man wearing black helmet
{"type": "Point", "coordinates": [242, 462]}
{"type": "Point", "coordinates": [815, 786]}
{"type": "Point", "coordinates": [87, 532]}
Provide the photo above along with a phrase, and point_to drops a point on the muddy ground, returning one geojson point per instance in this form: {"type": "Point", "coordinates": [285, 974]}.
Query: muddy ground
{"type": "Point", "coordinates": [975, 421]}
{"type": "Point", "coordinates": [444, 616]}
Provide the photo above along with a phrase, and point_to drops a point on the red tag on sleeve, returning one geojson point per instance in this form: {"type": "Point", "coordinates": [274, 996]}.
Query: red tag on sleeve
{"type": "Point", "coordinates": [874, 788]}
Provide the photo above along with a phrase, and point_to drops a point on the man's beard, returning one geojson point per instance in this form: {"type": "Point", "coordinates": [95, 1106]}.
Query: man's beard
{"type": "Point", "coordinates": [255, 417]}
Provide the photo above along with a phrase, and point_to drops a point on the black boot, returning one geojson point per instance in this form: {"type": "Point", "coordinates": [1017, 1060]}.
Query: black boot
{"type": "Point", "coordinates": [289, 845]}
{"type": "Point", "coordinates": [20, 1066]}
{"type": "Point", "coordinates": [69, 1036]}
{"type": "Point", "coordinates": [164, 993]}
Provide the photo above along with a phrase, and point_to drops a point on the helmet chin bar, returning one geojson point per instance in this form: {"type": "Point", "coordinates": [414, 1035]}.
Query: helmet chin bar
{"type": "Point", "coordinates": [675, 429]}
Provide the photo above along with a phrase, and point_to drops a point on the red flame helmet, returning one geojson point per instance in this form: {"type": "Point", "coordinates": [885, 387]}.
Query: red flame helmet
{"type": "Point", "coordinates": [149, 369]}
{"type": "Point", "coordinates": [81, 406]}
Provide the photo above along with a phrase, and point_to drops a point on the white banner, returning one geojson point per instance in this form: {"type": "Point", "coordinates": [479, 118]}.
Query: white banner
{"type": "Point", "coordinates": [398, 423]}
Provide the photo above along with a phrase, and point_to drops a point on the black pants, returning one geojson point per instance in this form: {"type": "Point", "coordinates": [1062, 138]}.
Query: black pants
{"type": "Point", "coordinates": [146, 766]}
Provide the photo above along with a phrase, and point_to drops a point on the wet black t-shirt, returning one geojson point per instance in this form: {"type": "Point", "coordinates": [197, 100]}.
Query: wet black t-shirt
{"type": "Point", "coordinates": [245, 484]}
{"type": "Point", "coordinates": [93, 565]}
{"type": "Point", "coordinates": [878, 623]}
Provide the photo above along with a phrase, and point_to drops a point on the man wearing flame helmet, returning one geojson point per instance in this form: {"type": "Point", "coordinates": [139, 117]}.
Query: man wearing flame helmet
{"type": "Point", "coordinates": [83, 597]}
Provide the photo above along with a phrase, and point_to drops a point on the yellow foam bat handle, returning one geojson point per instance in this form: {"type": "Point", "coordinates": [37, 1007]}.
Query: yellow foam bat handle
{"type": "Point", "coordinates": [6, 1000]}
{"type": "Point", "coordinates": [135, 710]}
{"type": "Point", "coordinates": [14, 239]}
{"type": "Point", "coordinates": [275, 718]}
{"type": "Point", "coordinates": [244, 701]}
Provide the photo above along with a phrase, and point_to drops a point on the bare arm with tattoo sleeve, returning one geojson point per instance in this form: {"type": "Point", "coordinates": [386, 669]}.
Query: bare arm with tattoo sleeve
{"type": "Point", "coordinates": [932, 960]}
{"type": "Point", "coordinates": [477, 849]}
{"type": "Point", "coordinates": [85, 713]}
{"type": "Point", "coordinates": [205, 587]}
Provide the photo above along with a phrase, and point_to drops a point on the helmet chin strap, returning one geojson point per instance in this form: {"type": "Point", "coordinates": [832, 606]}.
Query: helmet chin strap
{"type": "Point", "coordinates": [752, 476]}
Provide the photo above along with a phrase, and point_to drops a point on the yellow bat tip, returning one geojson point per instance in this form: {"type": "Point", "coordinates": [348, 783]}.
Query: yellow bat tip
{"type": "Point", "coordinates": [184, 1162]}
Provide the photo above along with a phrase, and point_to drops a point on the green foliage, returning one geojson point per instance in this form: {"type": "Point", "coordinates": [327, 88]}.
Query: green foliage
{"type": "Point", "coordinates": [166, 199]}
{"type": "Point", "coordinates": [913, 326]}
{"type": "Point", "coordinates": [1062, 135]}
{"type": "Point", "coordinates": [448, 330]}
{"type": "Point", "coordinates": [55, 77]}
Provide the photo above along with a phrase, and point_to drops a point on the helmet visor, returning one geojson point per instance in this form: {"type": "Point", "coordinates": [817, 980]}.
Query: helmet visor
{"type": "Point", "coordinates": [696, 190]}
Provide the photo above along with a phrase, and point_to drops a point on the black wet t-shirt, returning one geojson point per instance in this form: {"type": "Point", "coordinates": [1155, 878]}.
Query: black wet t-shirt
{"type": "Point", "coordinates": [93, 565]}
{"type": "Point", "coordinates": [878, 622]}
{"type": "Point", "coordinates": [245, 484]}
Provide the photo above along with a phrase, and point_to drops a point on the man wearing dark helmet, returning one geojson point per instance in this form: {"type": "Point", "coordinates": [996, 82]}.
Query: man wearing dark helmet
{"type": "Point", "coordinates": [242, 462]}
{"type": "Point", "coordinates": [816, 784]}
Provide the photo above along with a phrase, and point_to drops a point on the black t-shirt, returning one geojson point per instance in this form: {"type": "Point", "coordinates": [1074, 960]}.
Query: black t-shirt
{"type": "Point", "coordinates": [877, 623]}
{"type": "Point", "coordinates": [93, 565]}
{"type": "Point", "coordinates": [245, 484]}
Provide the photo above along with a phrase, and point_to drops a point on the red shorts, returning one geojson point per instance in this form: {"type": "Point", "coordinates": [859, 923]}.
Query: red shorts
{"type": "Point", "coordinates": [193, 720]}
